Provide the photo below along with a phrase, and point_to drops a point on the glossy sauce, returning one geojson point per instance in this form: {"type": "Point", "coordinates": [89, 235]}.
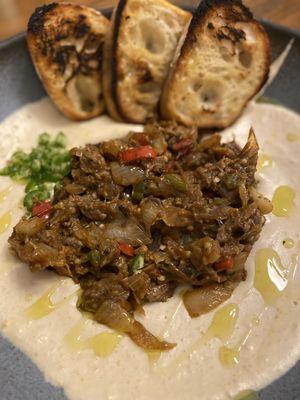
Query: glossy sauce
{"type": "Point", "coordinates": [5, 221]}
{"type": "Point", "coordinates": [283, 201]}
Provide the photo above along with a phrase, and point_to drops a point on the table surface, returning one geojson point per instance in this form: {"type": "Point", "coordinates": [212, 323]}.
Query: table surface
{"type": "Point", "coordinates": [14, 14]}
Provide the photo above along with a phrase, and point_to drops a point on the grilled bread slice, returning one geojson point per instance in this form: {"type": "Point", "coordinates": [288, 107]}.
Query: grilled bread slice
{"type": "Point", "coordinates": [221, 61]}
{"type": "Point", "coordinates": [138, 50]}
{"type": "Point", "coordinates": [65, 42]}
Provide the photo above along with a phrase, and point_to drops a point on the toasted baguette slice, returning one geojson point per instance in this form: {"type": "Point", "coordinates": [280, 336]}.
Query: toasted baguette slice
{"type": "Point", "coordinates": [138, 50]}
{"type": "Point", "coordinates": [65, 42]}
{"type": "Point", "coordinates": [221, 61]}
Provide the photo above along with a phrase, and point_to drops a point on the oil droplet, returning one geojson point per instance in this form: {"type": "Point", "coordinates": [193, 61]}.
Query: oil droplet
{"type": "Point", "coordinates": [44, 305]}
{"type": "Point", "coordinates": [4, 193]}
{"type": "Point", "coordinates": [102, 344]}
{"type": "Point", "coordinates": [5, 221]}
{"type": "Point", "coordinates": [73, 338]}
{"type": "Point", "coordinates": [153, 356]}
{"type": "Point", "coordinates": [247, 395]}
{"type": "Point", "coordinates": [221, 327]}
{"type": "Point", "coordinates": [230, 356]}
{"type": "Point", "coordinates": [223, 322]}
{"type": "Point", "coordinates": [264, 161]}
{"type": "Point", "coordinates": [292, 137]}
{"type": "Point", "coordinates": [288, 243]}
{"type": "Point", "coordinates": [270, 275]}
{"type": "Point", "coordinates": [283, 201]}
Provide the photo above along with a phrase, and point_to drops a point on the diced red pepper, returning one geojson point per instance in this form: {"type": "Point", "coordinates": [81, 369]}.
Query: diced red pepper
{"type": "Point", "coordinates": [126, 249]}
{"type": "Point", "coordinates": [224, 264]}
{"type": "Point", "coordinates": [42, 210]}
{"type": "Point", "coordinates": [137, 153]}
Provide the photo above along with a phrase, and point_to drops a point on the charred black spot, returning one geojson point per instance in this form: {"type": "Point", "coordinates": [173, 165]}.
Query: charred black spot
{"type": "Point", "coordinates": [230, 33]}
{"type": "Point", "coordinates": [36, 21]}
{"type": "Point", "coordinates": [60, 36]}
{"type": "Point", "coordinates": [146, 77]}
{"type": "Point", "coordinates": [81, 28]}
{"type": "Point", "coordinates": [235, 11]}
{"type": "Point", "coordinates": [62, 58]}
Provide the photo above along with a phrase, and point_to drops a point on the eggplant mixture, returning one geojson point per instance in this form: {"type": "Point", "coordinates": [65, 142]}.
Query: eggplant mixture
{"type": "Point", "coordinates": [139, 216]}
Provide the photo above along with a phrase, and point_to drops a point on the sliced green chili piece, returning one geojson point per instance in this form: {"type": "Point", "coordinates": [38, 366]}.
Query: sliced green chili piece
{"type": "Point", "coordinates": [176, 181]}
{"type": "Point", "coordinates": [138, 191]}
{"type": "Point", "coordinates": [137, 263]}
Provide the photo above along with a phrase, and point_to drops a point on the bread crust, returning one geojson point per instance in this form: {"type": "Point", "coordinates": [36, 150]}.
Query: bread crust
{"type": "Point", "coordinates": [110, 64]}
{"type": "Point", "coordinates": [235, 12]}
{"type": "Point", "coordinates": [114, 95]}
{"type": "Point", "coordinates": [65, 43]}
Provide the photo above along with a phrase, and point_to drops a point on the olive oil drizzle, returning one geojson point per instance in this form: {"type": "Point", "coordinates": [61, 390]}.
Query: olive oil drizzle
{"type": "Point", "coordinates": [44, 305]}
{"type": "Point", "coordinates": [283, 201]}
{"type": "Point", "coordinates": [5, 221]}
{"type": "Point", "coordinates": [102, 344]}
{"type": "Point", "coordinates": [221, 327]}
{"type": "Point", "coordinates": [264, 161]}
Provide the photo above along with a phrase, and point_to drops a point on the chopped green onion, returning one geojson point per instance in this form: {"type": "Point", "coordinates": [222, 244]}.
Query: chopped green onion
{"type": "Point", "coordinates": [138, 191]}
{"type": "Point", "coordinates": [44, 139]}
{"type": "Point", "coordinates": [137, 263]}
{"type": "Point", "coordinates": [176, 181]}
{"type": "Point", "coordinates": [46, 165]}
{"type": "Point", "coordinates": [60, 140]}
{"type": "Point", "coordinates": [94, 258]}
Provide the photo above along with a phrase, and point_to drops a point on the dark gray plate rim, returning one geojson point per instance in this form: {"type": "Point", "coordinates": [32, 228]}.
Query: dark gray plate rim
{"type": "Point", "coordinates": [20, 379]}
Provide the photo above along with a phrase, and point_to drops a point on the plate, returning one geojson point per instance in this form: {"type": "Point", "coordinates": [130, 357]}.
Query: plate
{"type": "Point", "coordinates": [20, 379]}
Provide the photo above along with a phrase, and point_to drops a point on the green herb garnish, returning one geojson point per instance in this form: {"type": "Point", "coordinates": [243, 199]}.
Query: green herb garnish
{"type": "Point", "coordinates": [137, 263]}
{"type": "Point", "coordinates": [41, 169]}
